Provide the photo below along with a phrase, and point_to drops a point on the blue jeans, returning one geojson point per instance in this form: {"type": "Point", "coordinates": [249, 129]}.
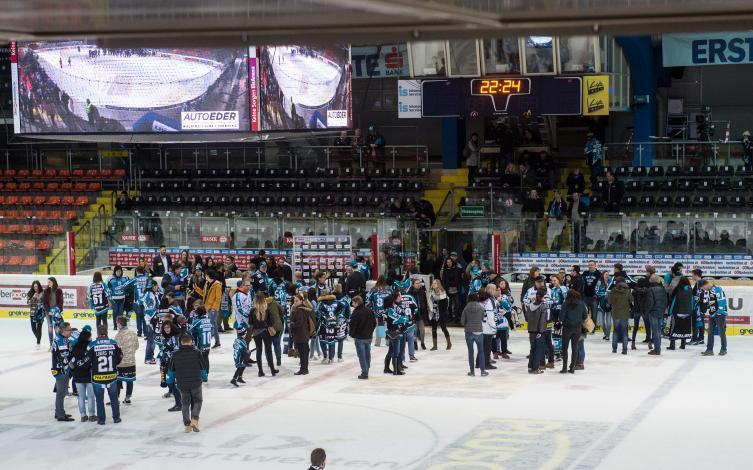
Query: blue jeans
{"type": "Point", "coordinates": [411, 340]}
{"type": "Point", "coordinates": [655, 323]}
{"type": "Point", "coordinates": [213, 314]}
{"type": "Point", "coordinates": [477, 338]}
{"type": "Point", "coordinates": [340, 343]}
{"type": "Point", "coordinates": [140, 322]}
{"type": "Point", "coordinates": [277, 345]}
{"type": "Point", "coordinates": [314, 347]}
{"type": "Point", "coordinates": [395, 347]}
{"type": "Point", "coordinates": [112, 392]}
{"type": "Point", "coordinates": [85, 392]}
{"type": "Point", "coordinates": [620, 334]}
{"type": "Point", "coordinates": [149, 353]}
{"type": "Point", "coordinates": [328, 349]}
{"type": "Point", "coordinates": [402, 347]}
{"type": "Point", "coordinates": [720, 322]}
{"type": "Point", "coordinates": [581, 351]}
{"type": "Point", "coordinates": [538, 350]}
{"type": "Point", "coordinates": [363, 349]}
{"type": "Point", "coordinates": [117, 310]}
{"type": "Point", "coordinates": [548, 347]}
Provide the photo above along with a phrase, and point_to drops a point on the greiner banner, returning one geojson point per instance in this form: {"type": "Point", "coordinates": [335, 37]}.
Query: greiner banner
{"type": "Point", "coordinates": [681, 50]}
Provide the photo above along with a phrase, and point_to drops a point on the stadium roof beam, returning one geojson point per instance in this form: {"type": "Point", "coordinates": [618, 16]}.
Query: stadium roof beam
{"type": "Point", "coordinates": [167, 23]}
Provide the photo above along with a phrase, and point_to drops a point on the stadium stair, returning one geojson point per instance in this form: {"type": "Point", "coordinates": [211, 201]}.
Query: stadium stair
{"type": "Point", "coordinates": [449, 179]}
{"type": "Point", "coordinates": [104, 198]}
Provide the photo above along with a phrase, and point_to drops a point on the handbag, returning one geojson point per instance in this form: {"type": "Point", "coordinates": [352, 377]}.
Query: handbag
{"type": "Point", "coordinates": [271, 331]}
{"type": "Point", "coordinates": [588, 324]}
{"type": "Point", "coordinates": [293, 352]}
{"type": "Point", "coordinates": [312, 326]}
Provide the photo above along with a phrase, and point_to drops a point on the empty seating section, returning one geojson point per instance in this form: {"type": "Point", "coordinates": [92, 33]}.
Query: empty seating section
{"type": "Point", "coordinates": [38, 206]}
{"type": "Point", "coordinates": [358, 191]}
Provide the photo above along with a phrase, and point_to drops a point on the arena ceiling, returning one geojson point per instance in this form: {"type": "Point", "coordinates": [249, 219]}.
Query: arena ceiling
{"type": "Point", "coordinates": [230, 22]}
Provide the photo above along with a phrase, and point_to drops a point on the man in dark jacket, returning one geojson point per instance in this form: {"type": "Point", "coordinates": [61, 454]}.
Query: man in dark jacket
{"type": "Point", "coordinates": [536, 314]}
{"type": "Point", "coordinates": [621, 300]}
{"type": "Point", "coordinates": [301, 327]}
{"type": "Point", "coordinates": [613, 191]}
{"type": "Point", "coordinates": [355, 282]}
{"type": "Point", "coordinates": [639, 306]}
{"type": "Point", "coordinates": [188, 370]}
{"type": "Point", "coordinates": [533, 211]}
{"type": "Point", "coordinates": [362, 324]}
{"type": "Point", "coordinates": [656, 306]}
{"type": "Point", "coordinates": [161, 263]}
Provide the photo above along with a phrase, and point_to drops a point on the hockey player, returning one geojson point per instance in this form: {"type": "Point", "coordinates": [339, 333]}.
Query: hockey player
{"type": "Point", "coordinates": [243, 300]}
{"type": "Point", "coordinates": [170, 343]}
{"type": "Point", "coordinates": [60, 357]}
{"type": "Point", "coordinates": [501, 319]}
{"type": "Point", "coordinates": [96, 297]}
{"type": "Point", "coordinates": [395, 329]}
{"type": "Point", "coordinates": [343, 318]}
{"type": "Point", "coordinates": [375, 300]}
{"type": "Point", "coordinates": [116, 292]}
{"type": "Point", "coordinates": [202, 330]}
{"type": "Point", "coordinates": [327, 312]}
{"type": "Point", "coordinates": [475, 285]}
{"type": "Point", "coordinates": [240, 354]}
{"type": "Point", "coordinates": [714, 304]}
{"type": "Point", "coordinates": [150, 305]}
{"type": "Point", "coordinates": [104, 357]}
{"type": "Point", "coordinates": [363, 267]}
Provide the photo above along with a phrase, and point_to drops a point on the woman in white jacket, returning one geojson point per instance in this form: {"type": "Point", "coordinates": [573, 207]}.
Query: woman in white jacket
{"type": "Point", "coordinates": [489, 324]}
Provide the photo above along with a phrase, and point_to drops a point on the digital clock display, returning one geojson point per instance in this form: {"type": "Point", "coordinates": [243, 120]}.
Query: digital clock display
{"type": "Point", "coordinates": [501, 86]}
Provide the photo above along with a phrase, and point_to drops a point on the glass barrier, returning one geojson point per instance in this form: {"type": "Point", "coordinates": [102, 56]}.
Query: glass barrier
{"type": "Point", "coordinates": [682, 153]}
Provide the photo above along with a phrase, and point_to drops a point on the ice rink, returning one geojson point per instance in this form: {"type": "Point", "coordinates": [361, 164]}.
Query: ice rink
{"type": "Point", "coordinates": [129, 82]}
{"type": "Point", "coordinates": [678, 410]}
{"type": "Point", "coordinates": [309, 81]}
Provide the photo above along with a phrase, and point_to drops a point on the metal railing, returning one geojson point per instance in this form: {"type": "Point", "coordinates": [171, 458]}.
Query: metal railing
{"type": "Point", "coordinates": [678, 152]}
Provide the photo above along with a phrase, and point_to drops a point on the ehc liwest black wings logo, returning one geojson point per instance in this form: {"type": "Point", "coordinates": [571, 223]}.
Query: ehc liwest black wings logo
{"type": "Point", "coordinates": [593, 87]}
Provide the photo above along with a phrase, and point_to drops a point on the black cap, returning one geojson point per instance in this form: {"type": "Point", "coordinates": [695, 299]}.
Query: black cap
{"type": "Point", "coordinates": [539, 279]}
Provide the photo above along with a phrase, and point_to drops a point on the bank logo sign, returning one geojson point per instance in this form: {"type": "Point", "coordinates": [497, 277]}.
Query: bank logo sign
{"type": "Point", "coordinates": [685, 50]}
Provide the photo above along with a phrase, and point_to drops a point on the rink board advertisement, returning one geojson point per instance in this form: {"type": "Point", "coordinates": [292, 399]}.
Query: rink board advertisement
{"type": "Point", "coordinates": [711, 265]}
{"type": "Point", "coordinates": [304, 87]}
{"type": "Point", "coordinates": [77, 87]}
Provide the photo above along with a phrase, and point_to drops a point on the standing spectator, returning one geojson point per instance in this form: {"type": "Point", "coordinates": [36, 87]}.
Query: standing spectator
{"type": "Point", "coordinates": [302, 326]}
{"type": "Point", "coordinates": [187, 370]}
{"type": "Point", "coordinates": [656, 305]}
{"type": "Point", "coordinates": [418, 292]}
{"type": "Point", "coordinates": [697, 325]}
{"type": "Point", "coordinates": [673, 277]}
{"type": "Point", "coordinates": [533, 211]}
{"type": "Point", "coordinates": [472, 155]}
{"type": "Point", "coordinates": [362, 325]}
{"type": "Point", "coordinates": [129, 343]}
{"type": "Point", "coordinates": [747, 150]}
{"type": "Point", "coordinates": [590, 281]}
{"type": "Point", "coordinates": [555, 215]}
{"type": "Point", "coordinates": [452, 281]}
{"type": "Point", "coordinates": [714, 304]}
{"type": "Point", "coordinates": [36, 310]}
{"type": "Point", "coordinates": [594, 153]}
{"type": "Point", "coordinates": [438, 316]}
{"type": "Point", "coordinates": [261, 321]}
{"type": "Point", "coordinates": [576, 183]}
{"type": "Point", "coordinates": [472, 321]}
{"type": "Point", "coordinates": [376, 144]}
{"type": "Point", "coordinates": [575, 281]}
{"type": "Point", "coordinates": [52, 300]}
{"type": "Point", "coordinates": [212, 301]}
{"type": "Point", "coordinates": [161, 263]}
{"type": "Point", "coordinates": [536, 314]}
{"type": "Point", "coordinates": [612, 193]}
{"type": "Point", "coordinates": [343, 149]}
{"type": "Point", "coordinates": [621, 300]}
{"type": "Point", "coordinates": [81, 376]}
{"type": "Point", "coordinates": [681, 311]}
{"type": "Point", "coordinates": [116, 287]}
{"type": "Point", "coordinates": [123, 202]}
{"type": "Point", "coordinates": [573, 313]}
{"type": "Point", "coordinates": [60, 358]}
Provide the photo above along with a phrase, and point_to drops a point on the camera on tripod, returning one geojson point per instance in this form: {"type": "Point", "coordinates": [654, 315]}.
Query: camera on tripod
{"type": "Point", "coordinates": [704, 126]}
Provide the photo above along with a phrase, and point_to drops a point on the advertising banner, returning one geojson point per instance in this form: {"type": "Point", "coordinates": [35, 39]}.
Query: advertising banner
{"type": "Point", "coordinates": [596, 95]}
{"type": "Point", "coordinates": [387, 60]}
{"type": "Point", "coordinates": [684, 50]}
{"type": "Point", "coordinates": [409, 99]}
{"type": "Point", "coordinates": [209, 120]}
{"type": "Point", "coordinates": [327, 252]}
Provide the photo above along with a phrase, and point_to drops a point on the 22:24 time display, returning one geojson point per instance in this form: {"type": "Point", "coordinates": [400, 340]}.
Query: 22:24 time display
{"type": "Point", "coordinates": [503, 87]}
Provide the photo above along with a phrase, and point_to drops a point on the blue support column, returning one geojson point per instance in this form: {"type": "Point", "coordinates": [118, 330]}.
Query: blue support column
{"type": "Point", "coordinates": [451, 138]}
{"type": "Point", "coordinates": [643, 74]}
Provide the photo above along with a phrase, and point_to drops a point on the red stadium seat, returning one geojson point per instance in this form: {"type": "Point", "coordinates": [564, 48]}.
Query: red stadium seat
{"type": "Point", "coordinates": [12, 228]}
{"type": "Point", "coordinates": [24, 187]}
{"type": "Point", "coordinates": [53, 201]}
{"type": "Point", "coordinates": [14, 260]}
{"type": "Point", "coordinates": [12, 214]}
{"type": "Point", "coordinates": [92, 173]}
{"type": "Point", "coordinates": [29, 245]}
{"type": "Point", "coordinates": [94, 186]}
{"type": "Point", "coordinates": [67, 186]}
{"type": "Point", "coordinates": [11, 200]}
{"type": "Point", "coordinates": [3, 230]}
{"type": "Point", "coordinates": [11, 186]}
{"type": "Point", "coordinates": [3, 243]}
{"type": "Point", "coordinates": [38, 173]}
{"type": "Point", "coordinates": [44, 245]}
{"type": "Point", "coordinates": [30, 261]}
{"type": "Point", "coordinates": [25, 200]}
{"type": "Point", "coordinates": [38, 186]}
{"type": "Point", "coordinates": [2, 200]}
{"type": "Point", "coordinates": [27, 228]}
{"type": "Point", "coordinates": [81, 201]}
{"type": "Point", "coordinates": [40, 200]}
{"type": "Point", "coordinates": [41, 230]}
{"type": "Point", "coordinates": [41, 214]}
{"type": "Point", "coordinates": [70, 215]}
{"type": "Point", "coordinates": [77, 173]}
{"type": "Point", "coordinates": [56, 229]}
{"type": "Point", "coordinates": [3, 260]}
{"type": "Point", "coordinates": [64, 173]}
{"type": "Point", "coordinates": [50, 173]}
{"type": "Point", "coordinates": [105, 173]}
{"type": "Point", "coordinates": [52, 187]}
{"type": "Point", "coordinates": [17, 174]}
{"type": "Point", "coordinates": [119, 173]}
{"type": "Point", "coordinates": [26, 213]}
{"type": "Point", "coordinates": [68, 200]}
{"type": "Point", "coordinates": [55, 215]}
{"type": "Point", "coordinates": [80, 187]}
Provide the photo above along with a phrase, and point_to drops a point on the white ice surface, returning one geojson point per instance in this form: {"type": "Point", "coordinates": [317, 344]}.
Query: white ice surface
{"type": "Point", "coordinates": [679, 410]}
{"type": "Point", "coordinates": [309, 81]}
{"type": "Point", "coordinates": [128, 82]}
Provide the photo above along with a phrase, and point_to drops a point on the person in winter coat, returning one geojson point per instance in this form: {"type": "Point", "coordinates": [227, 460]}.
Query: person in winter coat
{"type": "Point", "coordinates": [656, 306]}
{"type": "Point", "coordinates": [36, 309]}
{"type": "Point", "coordinates": [212, 295]}
{"type": "Point", "coordinates": [129, 343]}
{"type": "Point", "coordinates": [452, 279]}
{"type": "Point", "coordinates": [536, 314]}
{"type": "Point", "coordinates": [362, 325]}
{"type": "Point", "coordinates": [302, 327]}
{"type": "Point", "coordinates": [52, 300]}
{"type": "Point", "coordinates": [714, 304]}
{"type": "Point", "coordinates": [170, 334]}
{"type": "Point", "coordinates": [187, 370]}
{"type": "Point", "coordinates": [488, 300]}
{"type": "Point", "coordinates": [621, 300]}
{"type": "Point", "coordinates": [472, 320]}
{"type": "Point", "coordinates": [681, 310]}
{"type": "Point", "coordinates": [439, 313]}
{"type": "Point", "coordinates": [261, 321]}
{"type": "Point", "coordinates": [81, 375]}
{"type": "Point", "coordinates": [533, 273]}
{"type": "Point", "coordinates": [640, 296]}
{"type": "Point", "coordinates": [573, 313]}
{"type": "Point", "coordinates": [276, 315]}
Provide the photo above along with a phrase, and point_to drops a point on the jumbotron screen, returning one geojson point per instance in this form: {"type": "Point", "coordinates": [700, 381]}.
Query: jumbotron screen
{"type": "Point", "coordinates": [77, 87]}
{"type": "Point", "coordinates": [304, 87]}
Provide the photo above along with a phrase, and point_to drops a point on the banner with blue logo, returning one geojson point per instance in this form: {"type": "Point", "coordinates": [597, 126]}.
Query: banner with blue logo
{"type": "Point", "coordinates": [388, 60]}
{"type": "Point", "coordinates": [684, 50]}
